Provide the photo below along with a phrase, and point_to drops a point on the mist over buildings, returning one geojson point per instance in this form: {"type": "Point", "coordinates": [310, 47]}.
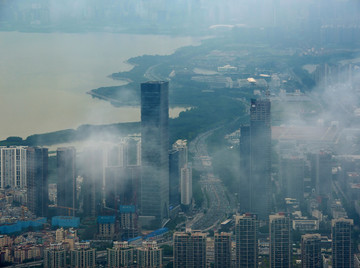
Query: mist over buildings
{"type": "Point", "coordinates": [270, 128]}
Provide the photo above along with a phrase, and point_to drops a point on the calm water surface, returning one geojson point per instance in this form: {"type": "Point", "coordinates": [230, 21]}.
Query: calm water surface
{"type": "Point", "coordinates": [44, 78]}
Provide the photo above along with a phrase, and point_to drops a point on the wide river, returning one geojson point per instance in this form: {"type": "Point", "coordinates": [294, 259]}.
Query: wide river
{"type": "Point", "coordinates": [44, 78]}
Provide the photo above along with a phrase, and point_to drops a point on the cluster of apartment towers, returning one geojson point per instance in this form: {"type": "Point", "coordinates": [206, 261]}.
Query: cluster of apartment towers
{"type": "Point", "coordinates": [133, 173]}
{"type": "Point", "coordinates": [155, 191]}
{"type": "Point", "coordinates": [191, 248]}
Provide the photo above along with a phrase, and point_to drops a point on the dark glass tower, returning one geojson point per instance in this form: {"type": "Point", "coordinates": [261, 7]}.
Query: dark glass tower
{"type": "Point", "coordinates": [154, 151]}
{"type": "Point", "coordinates": [260, 157]}
{"type": "Point", "coordinates": [66, 184]}
{"type": "Point", "coordinates": [37, 180]}
{"type": "Point", "coordinates": [342, 251]}
{"type": "Point", "coordinates": [255, 155]}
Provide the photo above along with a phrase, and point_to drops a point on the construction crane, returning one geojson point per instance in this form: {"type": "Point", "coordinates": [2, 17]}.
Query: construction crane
{"type": "Point", "coordinates": [68, 208]}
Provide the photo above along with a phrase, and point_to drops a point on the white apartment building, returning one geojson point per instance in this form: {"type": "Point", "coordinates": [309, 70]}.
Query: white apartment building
{"type": "Point", "coordinates": [13, 167]}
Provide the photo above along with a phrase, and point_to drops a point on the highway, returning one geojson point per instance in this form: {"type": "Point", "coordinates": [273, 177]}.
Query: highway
{"type": "Point", "coordinates": [216, 205]}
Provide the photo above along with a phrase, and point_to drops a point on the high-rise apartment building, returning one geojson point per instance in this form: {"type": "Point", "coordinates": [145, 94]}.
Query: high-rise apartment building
{"type": "Point", "coordinates": [12, 167]}
{"type": "Point", "coordinates": [280, 243]}
{"type": "Point", "coordinates": [222, 250]}
{"type": "Point", "coordinates": [149, 255]}
{"type": "Point", "coordinates": [255, 150]}
{"type": "Point", "coordinates": [83, 256]}
{"type": "Point", "coordinates": [189, 250]}
{"type": "Point", "coordinates": [37, 180]}
{"type": "Point", "coordinates": [311, 251]}
{"type": "Point", "coordinates": [66, 180]}
{"type": "Point", "coordinates": [120, 255]}
{"type": "Point", "coordinates": [55, 256]}
{"type": "Point", "coordinates": [178, 159]}
{"type": "Point", "coordinates": [342, 249]}
{"type": "Point", "coordinates": [246, 233]}
{"type": "Point", "coordinates": [154, 205]}
{"type": "Point", "coordinates": [186, 185]}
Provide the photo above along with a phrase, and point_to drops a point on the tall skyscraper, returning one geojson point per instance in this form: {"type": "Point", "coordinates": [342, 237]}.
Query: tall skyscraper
{"type": "Point", "coordinates": [154, 203]}
{"type": "Point", "coordinates": [311, 251]}
{"type": "Point", "coordinates": [37, 180]}
{"type": "Point", "coordinates": [246, 233]}
{"type": "Point", "coordinates": [66, 183]}
{"type": "Point", "coordinates": [189, 250]}
{"type": "Point", "coordinates": [222, 245]}
{"type": "Point", "coordinates": [280, 245]}
{"type": "Point", "coordinates": [255, 150]}
{"type": "Point", "coordinates": [342, 250]}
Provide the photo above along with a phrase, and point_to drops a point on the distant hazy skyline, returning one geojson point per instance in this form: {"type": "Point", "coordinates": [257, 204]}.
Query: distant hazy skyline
{"type": "Point", "coordinates": [176, 15]}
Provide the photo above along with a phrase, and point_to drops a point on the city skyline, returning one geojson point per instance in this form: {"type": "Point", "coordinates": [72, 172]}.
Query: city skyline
{"type": "Point", "coordinates": [182, 134]}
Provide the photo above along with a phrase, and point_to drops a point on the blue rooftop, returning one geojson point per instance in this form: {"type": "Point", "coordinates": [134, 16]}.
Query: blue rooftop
{"type": "Point", "coordinates": [127, 209]}
{"type": "Point", "coordinates": [106, 219]}
{"type": "Point", "coordinates": [156, 233]}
